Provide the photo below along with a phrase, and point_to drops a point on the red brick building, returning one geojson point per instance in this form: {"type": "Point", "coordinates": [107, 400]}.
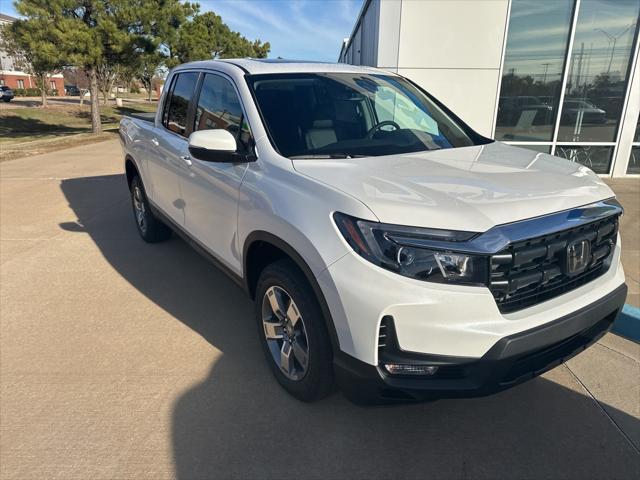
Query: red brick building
{"type": "Point", "coordinates": [14, 78]}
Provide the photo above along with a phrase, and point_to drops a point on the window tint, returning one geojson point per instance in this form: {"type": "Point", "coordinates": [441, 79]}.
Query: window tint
{"type": "Point", "coordinates": [346, 114]}
{"type": "Point", "coordinates": [219, 107]}
{"type": "Point", "coordinates": [175, 113]}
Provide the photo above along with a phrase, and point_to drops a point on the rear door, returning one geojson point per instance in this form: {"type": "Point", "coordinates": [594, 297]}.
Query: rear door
{"type": "Point", "coordinates": [211, 191]}
{"type": "Point", "coordinates": [169, 160]}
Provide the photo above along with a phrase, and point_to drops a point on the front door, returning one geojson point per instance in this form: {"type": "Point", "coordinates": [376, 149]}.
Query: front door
{"type": "Point", "coordinates": [212, 189]}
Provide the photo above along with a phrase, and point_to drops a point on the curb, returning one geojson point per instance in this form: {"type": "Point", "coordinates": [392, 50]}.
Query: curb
{"type": "Point", "coordinates": [628, 323]}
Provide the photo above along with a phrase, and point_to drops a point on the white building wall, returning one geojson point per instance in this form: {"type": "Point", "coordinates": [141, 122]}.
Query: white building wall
{"type": "Point", "coordinates": [388, 33]}
{"type": "Point", "coordinates": [458, 61]}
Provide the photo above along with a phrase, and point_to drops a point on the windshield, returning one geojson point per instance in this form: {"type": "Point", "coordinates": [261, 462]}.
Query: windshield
{"type": "Point", "coordinates": [350, 115]}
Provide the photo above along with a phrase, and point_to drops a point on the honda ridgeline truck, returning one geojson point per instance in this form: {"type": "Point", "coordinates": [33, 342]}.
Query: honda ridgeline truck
{"type": "Point", "coordinates": [389, 248]}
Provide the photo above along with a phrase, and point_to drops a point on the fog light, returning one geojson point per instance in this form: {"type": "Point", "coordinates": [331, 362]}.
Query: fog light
{"type": "Point", "coordinates": [399, 369]}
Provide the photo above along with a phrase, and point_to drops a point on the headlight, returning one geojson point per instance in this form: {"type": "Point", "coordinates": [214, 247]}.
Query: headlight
{"type": "Point", "coordinates": [395, 248]}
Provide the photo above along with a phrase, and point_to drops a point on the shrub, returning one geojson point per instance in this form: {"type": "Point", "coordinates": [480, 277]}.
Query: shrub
{"type": "Point", "coordinates": [31, 92]}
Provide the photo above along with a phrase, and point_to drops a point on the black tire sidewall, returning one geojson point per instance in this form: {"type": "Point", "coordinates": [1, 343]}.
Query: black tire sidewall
{"type": "Point", "coordinates": [318, 380]}
{"type": "Point", "coordinates": [156, 231]}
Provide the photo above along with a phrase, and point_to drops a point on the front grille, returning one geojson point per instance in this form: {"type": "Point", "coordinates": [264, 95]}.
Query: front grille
{"type": "Point", "coordinates": [535, 270]}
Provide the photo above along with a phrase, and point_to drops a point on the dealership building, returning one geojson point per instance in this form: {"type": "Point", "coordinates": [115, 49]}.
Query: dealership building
{"type": "Point", "coordinates": [555, 76]}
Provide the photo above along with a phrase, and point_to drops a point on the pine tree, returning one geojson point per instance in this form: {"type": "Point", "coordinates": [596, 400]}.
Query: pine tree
{"type": "Point", "coordinates": [32, 52]}
{"type": "Point", "coordinates": [100, 35]}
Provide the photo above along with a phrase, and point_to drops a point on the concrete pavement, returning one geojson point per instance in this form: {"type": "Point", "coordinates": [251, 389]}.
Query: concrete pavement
{"type": "Point", "coordinates": [120, 360]}
{"type": "Point", "coordinates": [628, 192]}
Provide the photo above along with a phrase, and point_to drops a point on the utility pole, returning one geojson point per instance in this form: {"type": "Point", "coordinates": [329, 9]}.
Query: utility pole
{"type": "Point", "coordinates": [613, 39]}
{"type": "Point", "coordinates": [544, 76]}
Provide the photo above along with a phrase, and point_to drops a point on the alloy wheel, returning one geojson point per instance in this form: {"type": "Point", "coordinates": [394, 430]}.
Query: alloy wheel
{"type": "Point", "coordinates": [139, 208]}
{"type": "Point", "coordinates": [285, 333]}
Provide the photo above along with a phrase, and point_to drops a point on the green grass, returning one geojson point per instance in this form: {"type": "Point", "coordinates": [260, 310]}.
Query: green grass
{"type": "Point", "coordinates": [27, 124]}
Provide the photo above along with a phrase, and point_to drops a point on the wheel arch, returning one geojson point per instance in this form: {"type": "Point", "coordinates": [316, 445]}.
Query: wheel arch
{"type": "Point", "coordinates": [268, 248]}
{"type": "Point", "coordinates": [130, 169]}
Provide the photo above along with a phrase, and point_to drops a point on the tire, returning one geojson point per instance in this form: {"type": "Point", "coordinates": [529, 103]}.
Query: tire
{"type": "Point", "coordinates": [6, 100]}
{"type": "Point", "coordinates": [151, 229]}
{"type": "Point", "coordinates": [312, 381]}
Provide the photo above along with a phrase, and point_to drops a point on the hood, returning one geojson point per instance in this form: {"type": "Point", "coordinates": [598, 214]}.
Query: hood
{"type": "Point", "coordinates": [470, 188]}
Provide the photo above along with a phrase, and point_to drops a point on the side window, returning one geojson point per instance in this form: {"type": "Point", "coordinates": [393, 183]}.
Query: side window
{"type": "Point", "coordinates": [177, 108]}
{"type": "Point", "coordinates": [219, 107]}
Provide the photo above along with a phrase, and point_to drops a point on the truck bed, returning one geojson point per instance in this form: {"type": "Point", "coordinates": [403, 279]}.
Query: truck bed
{"type": "Point", "coordinates": [147, 117]}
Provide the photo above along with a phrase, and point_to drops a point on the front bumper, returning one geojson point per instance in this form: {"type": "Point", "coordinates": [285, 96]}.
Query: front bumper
{"type": "Point", "coordinates": [512, 360]}
{"type": "Point", "coordinates": [439, 319]}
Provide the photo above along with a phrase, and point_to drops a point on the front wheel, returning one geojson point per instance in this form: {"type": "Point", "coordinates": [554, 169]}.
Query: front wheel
{"type": "Point", "coordinates": [6, 100]}
{"type": "Point", "coordinates": [293, 332]}
{"type": "Point", "coordinates": [150, 228]}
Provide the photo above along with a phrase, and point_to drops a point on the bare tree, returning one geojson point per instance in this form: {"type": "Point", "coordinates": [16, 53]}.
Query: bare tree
{"type": "Point", "coordinates": [107, 74]}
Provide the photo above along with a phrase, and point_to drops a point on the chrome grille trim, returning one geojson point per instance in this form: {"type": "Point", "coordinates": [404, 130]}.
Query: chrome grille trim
{"type": "Point", "coordinates": [531, 271]}
{"type": "Point", "coordinates": [500, 237]}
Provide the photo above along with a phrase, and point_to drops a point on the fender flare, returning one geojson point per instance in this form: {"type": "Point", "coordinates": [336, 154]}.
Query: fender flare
{"type": "Point", "coordinates": [262, 236]}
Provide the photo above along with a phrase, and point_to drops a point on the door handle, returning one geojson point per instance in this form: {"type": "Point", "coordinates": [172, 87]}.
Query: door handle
{"type": "Point", "coordinates": [155, 142]}
{"type": "Point", "coordinates": [186, 159]}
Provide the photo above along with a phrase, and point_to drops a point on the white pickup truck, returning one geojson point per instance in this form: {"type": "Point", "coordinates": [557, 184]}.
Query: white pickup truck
{"type": "Point", "coordinates": [389, 248]}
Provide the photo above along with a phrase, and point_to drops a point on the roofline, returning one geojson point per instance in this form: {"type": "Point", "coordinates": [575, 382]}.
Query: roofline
{"type": "Point", "coordinates": [8, 18]}
{"type": "Point", "coordinates": [346, 43]}
{"type": "Point", "coordinates": [231, 61]}
{"type": "Point", "coordinates": [235, 63]}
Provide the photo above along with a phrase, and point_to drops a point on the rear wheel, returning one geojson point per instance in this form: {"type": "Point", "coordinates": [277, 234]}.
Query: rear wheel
{"type": "Point", "coordinates": [150, 228]}
{"type": "Point", "coordinates": [293, 333]}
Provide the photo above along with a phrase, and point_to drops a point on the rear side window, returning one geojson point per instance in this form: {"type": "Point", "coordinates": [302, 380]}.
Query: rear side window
{"type": "Point", "coordinates": [219, 108]}
{"type": "Point", "coordinates": [177, 108]}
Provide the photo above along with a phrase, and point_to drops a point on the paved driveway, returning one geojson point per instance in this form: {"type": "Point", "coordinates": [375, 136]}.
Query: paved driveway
{"type": "Point", "coordinates": [120, 359]}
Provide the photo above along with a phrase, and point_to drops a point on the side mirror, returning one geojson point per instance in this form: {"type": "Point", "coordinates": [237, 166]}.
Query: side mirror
{"type": "Point", "coordinates": [214, 146]}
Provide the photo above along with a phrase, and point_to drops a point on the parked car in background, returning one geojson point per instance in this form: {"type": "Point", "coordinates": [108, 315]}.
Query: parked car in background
{"type": "Point", "coordinates": [574, 109]}
{"type": "Point", "coordinates": [387, 245]}
{"type": "Point", "coordinates": [6, 93]}
{"type": "Point", "coordinates": [71, 90]}
{"type": "Point", "coordinates": [511, 110]}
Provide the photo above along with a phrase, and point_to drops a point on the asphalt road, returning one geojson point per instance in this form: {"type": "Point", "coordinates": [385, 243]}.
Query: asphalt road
{"type": "Point", "coordinates": [120, 359]}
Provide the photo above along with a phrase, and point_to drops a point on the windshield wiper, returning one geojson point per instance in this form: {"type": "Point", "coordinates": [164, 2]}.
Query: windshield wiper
{"type": "Point", "coordinates": [327, 156]}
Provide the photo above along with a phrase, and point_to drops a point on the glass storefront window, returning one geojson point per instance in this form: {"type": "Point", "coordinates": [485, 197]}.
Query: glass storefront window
{"type": "Point", "coordinates": [598, 70]}
{"type": "Point", "coordinates": [596, 158]}
{"type": "Point", "coordinates": [634, 160]}
{"type": "Point", "coordinates": [536, 148]}
{"type": "Point", "coordinates": [532, 74]}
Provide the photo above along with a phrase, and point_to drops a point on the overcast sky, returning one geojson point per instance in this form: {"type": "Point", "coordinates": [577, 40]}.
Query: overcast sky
{"type": "Point", "coordinates": [296, 29]}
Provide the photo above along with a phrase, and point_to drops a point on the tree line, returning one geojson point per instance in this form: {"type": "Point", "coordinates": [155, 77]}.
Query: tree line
{"type": "Point", "coordinates": [112, 39]}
